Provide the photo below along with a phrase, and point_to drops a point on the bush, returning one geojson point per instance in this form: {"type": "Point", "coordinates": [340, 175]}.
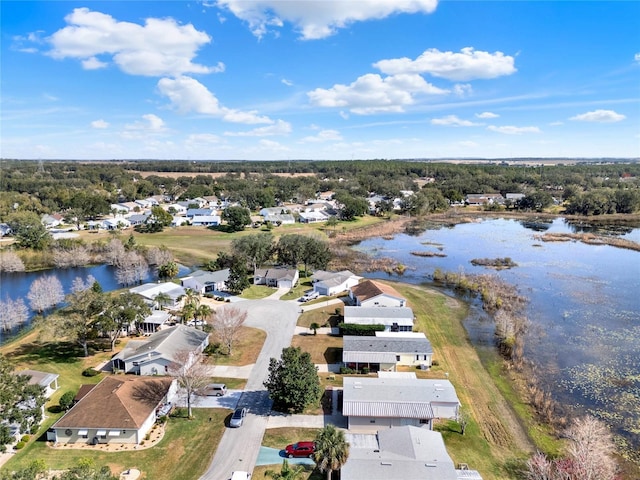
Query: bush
{"type": "Point", "coordinates": [347, 371]}
{"type": "Point", "coordinates": [66, 400]}
{"type": "Point", "coordinates": [90, 372]}
{"type": "Point", "coordinates": [25, 438]}
{"type": "Point", "coordinates": [360, 330]}
{"type": "Point", "coordinates": [20, 445]}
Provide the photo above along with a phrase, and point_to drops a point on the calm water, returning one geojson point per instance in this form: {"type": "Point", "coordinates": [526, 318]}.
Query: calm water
{"type": "Point", "coordinates": [584, 306]}
{"type": "Point", "coordinates": [17, 285]}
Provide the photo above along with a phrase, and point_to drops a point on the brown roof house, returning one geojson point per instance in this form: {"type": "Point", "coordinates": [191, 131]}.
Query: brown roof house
{"type": "Point", "coordinates": [375, 294]}
{"type": "Point", "coordinates": [119, 409]}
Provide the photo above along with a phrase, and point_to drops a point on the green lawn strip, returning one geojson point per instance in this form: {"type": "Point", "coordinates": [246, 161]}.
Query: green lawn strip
{"type": "Point", "coordinates": [256, 292]}
{"type": "Point", "coordinates": [185, 451]}
{"type": "Point", "coordinates": [542, 435]}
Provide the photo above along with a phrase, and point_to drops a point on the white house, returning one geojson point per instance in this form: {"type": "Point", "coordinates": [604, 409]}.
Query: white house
{"type": "Point", "coordinates": [149, 291]}
{"type": "Point", "coordinates": [203, 281]}
{"type": "Point", "coordinates": [155, 354]}
{"type": "Point", "coordinates": [386, 351]}
{"type": "Point", "coordinates": [376, 294]}
{"type": "Point", "coordinates": [394, 319]}
{"type": "Point", "coordinates": [120, 409]}
{"type": "Point", "coordinates": [176, 208]}
{"type": "Point", "coordinates": [199, 212]}
{"type": "Point", "coordinates": [276, 277]}
{"type": "Point", "coordinates": [409, 452]}
{"type": "Point", "coordinates": [332, 283]}
{"type": "Point", "coordinates": [372, 403]}
{"type": "Point", "coordinates": [48, 381]}
{"type": "Point", "coordinates": [205, 220]}
{"type": "Point", "coordinates": [313, 217]}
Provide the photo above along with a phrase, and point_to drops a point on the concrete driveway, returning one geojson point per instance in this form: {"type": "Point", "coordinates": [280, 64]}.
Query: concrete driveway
{"type": "Point", "coordinates": [273, 456]}
{"type": "Point", "coordinates": [239, 447]}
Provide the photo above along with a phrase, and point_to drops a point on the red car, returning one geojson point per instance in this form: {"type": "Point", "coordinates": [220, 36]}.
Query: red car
{"type": "Point", "coordinates": [300, 449]}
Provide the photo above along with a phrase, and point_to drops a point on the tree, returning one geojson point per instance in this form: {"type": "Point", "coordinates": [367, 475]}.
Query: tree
{"type": "Point", "coordinates": [120, 313]}
{"type": "Point", "coordinates": [315, 253]}
{"type": "Point", "coordinates": [12, 313]}
{"type": "Point", "coordinates": [256, 248]}
{"type": "Point", "coordinates": [314, 326]}
{"type": "Point", "coordinates": [45, 292]}
{"type": "Point", "coordinates": [589, 455]}
{"type": "Point", "coordinates": [190, 372]}
{"type": "Point", "coordinates": [78, 320]}
{"type": "Point", "coordinates": [19, 402]}
{"type": "Point", "coordinates": [236, 218]}
{"type": "Point", "coordinates": [227, 323]}
{"type": "Point", "coordinates": [287, 472]}
{"type": "Point", "coordinates": [86, 470]}
{"type": "Point", "coordinates": [28, 231]}
{"type": "Point", "coordinates": [66, 400]}
{"type": "Point", "coordinates": [11, 262]}
{"type": "Point", "coordinates": [237, 280]}
{"type": "Point", "coordinates": [332, 450]}
{"type": "Point", "coordinates": [162, 299]}
{"type": "Point", "coordinates": [36, 470]}
{"type": "Point", "coordinates": [202, 313]}
{"type": "Point", "coordinates": [168, 270]}
{"type": "Point", "coordinates": [293, 382]}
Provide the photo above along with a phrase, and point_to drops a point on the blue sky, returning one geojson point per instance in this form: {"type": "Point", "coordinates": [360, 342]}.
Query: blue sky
{"type": "Point", "coordinates": [326, 79]}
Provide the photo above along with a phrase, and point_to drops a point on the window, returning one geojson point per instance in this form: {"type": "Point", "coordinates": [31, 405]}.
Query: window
{"type": "Point", "coordinates": [424, 421]}
{"type": "Point", "coordinates": [397, 358]}
{"type": "Point", "coordinates": [372, 421]}
{"type": "Point", "coordinates": [417, 357]}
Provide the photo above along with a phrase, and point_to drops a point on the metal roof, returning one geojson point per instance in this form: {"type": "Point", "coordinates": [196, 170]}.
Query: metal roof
{"type": "Point", "coordinates": [388, 409]}
{"type": "Point", "coordinates": [368, 357]}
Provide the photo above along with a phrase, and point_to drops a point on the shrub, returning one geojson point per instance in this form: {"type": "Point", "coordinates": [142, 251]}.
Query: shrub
{"type": "Point", "coordinates": [359, 330]}
{"type": "Point", "coordinates": [66, 400]}
{"type": "Point", "coordinates": [25, 439]}
{"type": "Point", "coordinates": [347, 371]}
{"type": "Point", "coordinates": [90, 372]}
{"type": "Point", "coordinates": [20, 445]}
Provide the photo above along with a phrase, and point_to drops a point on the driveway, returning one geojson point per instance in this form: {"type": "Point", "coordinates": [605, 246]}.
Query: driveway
{"type": "Point", "coordinates": [239, 447]}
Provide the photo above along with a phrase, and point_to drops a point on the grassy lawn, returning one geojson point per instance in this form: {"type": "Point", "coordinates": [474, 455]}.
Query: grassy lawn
{"type": "Point", "coordinates": [185, 451]}
{"type": "Point", "coordinates": [245, 350]}
{"type": "Point", "coordinates": [323, 348]}
{"type": "Point", "coordinates": [303, 285]}
{"type": "Point", "coordinates": [256, 292]}
{"type": "Point", "coordinates": [494, 441]}
{"type": "Point", "coordinates": [325, 317]}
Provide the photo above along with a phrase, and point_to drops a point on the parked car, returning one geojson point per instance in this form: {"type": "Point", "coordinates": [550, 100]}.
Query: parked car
{"type": "Point", "coordinates": [309, 295]}
{"type": "Point", "coordinates": [213, 390]}
{"type": "Point", "coordinates": [300, 449]}
{"type": "Point", "coordinates": [239, 475]}
{"type": "Point", "coordinates": [238, 417]}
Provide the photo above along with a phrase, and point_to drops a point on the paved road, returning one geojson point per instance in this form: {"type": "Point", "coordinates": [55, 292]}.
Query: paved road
{"type": "Point", "coordinates": [239, 447]}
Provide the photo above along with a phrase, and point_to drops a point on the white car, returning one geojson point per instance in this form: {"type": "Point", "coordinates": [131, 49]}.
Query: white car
{"type": "Point", "coordinates": [309, 295]}
{"type": "Point", "coordinates": [239, 475]}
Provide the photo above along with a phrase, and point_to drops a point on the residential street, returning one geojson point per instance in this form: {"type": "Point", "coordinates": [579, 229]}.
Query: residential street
{"type": "Point", "coordinates": [239, 447]}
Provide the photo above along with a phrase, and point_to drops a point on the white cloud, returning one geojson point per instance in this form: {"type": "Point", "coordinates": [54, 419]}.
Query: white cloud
{"type": "Point", "coordinates": [636, 57]}
{"type": "Point", "coordinates": [324, 136]}
{"type": "Point", "coordinates": [462, 89]}
{"type": "Point", "coordinates": [159, 47]}
{"type": "Point", "coordinates": [487, 115]}
{"type": "Point", "coordinates": [599, 116]}
{"type": "Point", "coordinates": [371, 93]}
{"type": "Point", "coordinates": [318, 19]}
{"type": "Point", "coordinates": [278, 128]}
{"type": "Point", "coordinates": [151, 124]}
{"type": "Point", "coordinates": [556, 124]}
{"type": "Point", "coordinates": [189, 95]}
{"type": "Point", "coordinates": [469, 64]}
{"type": "Point", "coordinates": [453, 121]}
{"type": "Point", "coordinates": [101, 124]}
{"type": "Point", "coordinates": [49, 97]}
{"type": "Point", "coordinates": [511, 130]}
{"type": "Point", "coordinates": [273, 146]}
{"type": "Point", "coordinates": [288, 83]}
{"type": "Point", "coordinates": [92, 63]}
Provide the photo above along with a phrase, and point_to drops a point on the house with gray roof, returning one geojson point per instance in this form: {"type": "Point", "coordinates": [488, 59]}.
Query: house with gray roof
{"type": "Point", "coordinates": [372, 404]}
{"type": "Point", "coordinates": [276, 277]}
{"type": "Point", "coordinates": [47, 380]}
{"type": "Point", "coordinates": [386, 351]}
{"type": "Point", "coordinates": [203, 281]}
{"type": "Point", "coordinates": [313, 217]}
{"type": "Point", "coordinates": [149, 291]}
{"type": "Point", "coordinates": [407, 453]}
{"type": "Point", "coordinates": [332, 283]}
{"type": "Point", "coordinates": [205, 220]}
{"type": "Point", "coordinates": [154, 355]}
{"type": "Point", "coordinates": [394, 319]}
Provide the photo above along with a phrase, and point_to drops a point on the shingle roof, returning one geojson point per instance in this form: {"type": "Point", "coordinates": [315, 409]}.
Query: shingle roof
{"type": "Point", "coordinates": [117, 402]}
{"type": "Point", "coordinates": [44, 379]}
{"type": "Point", "coordinates": [382, 315]}
{"type": "Point", "coordinates": [370, 288]}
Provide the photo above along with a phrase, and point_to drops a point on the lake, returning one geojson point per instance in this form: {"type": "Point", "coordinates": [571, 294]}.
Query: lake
{"type": "Point", "coordinates": [584, 305]}
{"type": "Point", "coordinates": [17, 285]}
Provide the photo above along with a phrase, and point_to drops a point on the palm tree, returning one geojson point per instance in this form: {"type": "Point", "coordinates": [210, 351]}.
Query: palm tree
{"type": "Point", "coordinates": [191, 298]}
{"type": "Point", "coordinates": [202, 312]}
{"type": "Point", "coordinates": [332, 450]}
{"type": "Point", "coordinates": [286, 472]}
{"type": "Point", "coordinates": [162, 299]}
